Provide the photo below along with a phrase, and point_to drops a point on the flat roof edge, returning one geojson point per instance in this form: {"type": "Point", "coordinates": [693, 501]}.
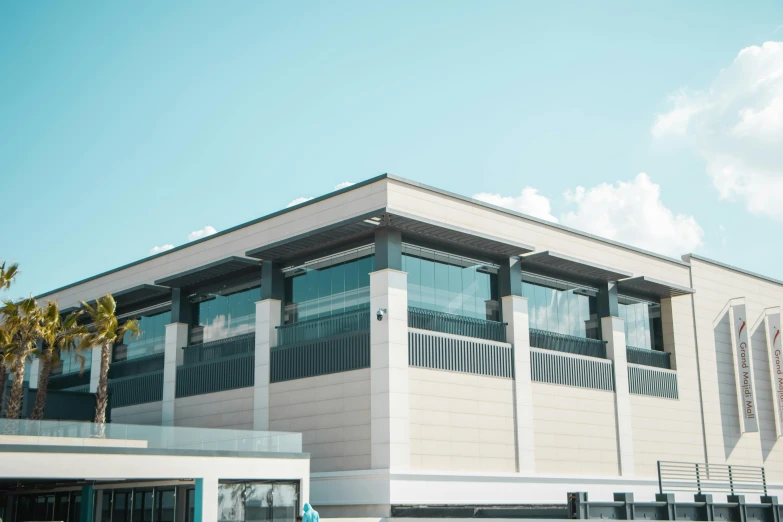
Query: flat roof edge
{"type": "Point", "coordinates": [734, 268]}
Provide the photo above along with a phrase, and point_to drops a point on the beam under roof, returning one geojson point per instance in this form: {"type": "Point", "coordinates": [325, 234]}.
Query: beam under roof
{"type": "Point", "coordinates": [646, 286]}
{"type": "Point", "coordinates": [560, 266]}
{"type": "Point", "coordinates": [210, 272]}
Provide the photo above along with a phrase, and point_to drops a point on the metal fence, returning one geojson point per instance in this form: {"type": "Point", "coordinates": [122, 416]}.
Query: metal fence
{"type": "Point", "coordinates": [655, 382]}
{"type": "Point", "coordinates": [567, 343]}
{"type": "Point", "coordinates": [571, 370]}
{"type": "Point", "coordinates": [422, 319]}
{"type": "Point", "coordinates": [132, 367]}
{"type": "Point", "coordinates": [710, 478]}
{"type": "Point", "coordinates": [220, 349]}
{"type": "Point", "coordinates": [443, 352]}
{"type": "Point", "coordinates": [136, 389]}
{"type": "Point", "coordinates": [312, 329]}
{"type": "Point", "coordinates": [648, 357]}
{"type": "Point", "coordinates": [338, 353]}
{"type": "Point", "coordinates": [69, 380]}
{"type": "Point", "coordinates": [216, 375]}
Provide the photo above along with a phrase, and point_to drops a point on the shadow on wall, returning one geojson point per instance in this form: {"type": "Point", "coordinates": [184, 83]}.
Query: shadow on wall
{"type": "Point", "coordinates": [727, 384]}
{"type": "Point", "coordinates": [764, 399]}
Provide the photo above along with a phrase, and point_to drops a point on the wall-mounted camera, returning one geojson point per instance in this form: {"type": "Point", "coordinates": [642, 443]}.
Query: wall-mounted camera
{"type": "Point", "coordinates": [380, 313]}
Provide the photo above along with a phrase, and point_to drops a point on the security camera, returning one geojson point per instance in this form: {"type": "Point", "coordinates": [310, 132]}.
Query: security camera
{"type": "Point", "coordinates": [380, 313]}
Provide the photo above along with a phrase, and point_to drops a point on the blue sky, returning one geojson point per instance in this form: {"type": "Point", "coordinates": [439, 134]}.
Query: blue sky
{"type": "Point", "coordinates": [129, 126]}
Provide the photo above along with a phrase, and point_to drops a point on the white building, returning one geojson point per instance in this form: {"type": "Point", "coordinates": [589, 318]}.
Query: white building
{"type": "Point", "coordinates": [433, 349]}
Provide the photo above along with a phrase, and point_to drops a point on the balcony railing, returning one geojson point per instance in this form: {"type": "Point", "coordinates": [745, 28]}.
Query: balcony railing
{"type": "Point", "coordinates": [136, 389]}
{"type": "Point", "coordinates": [213, 350]}
{"type": "Point", "coordinates": [648, 357]}
{"type": "Point", "coordinates": [456, 324]}
{"type": "Point", "coordinates": [567, 343]}
{"type": "Point", "coordinates": [216, 375]}
{"type": "Point", "coordinates": [69, 380]}
{"type": "Point", "coordinates": [133, 367]}
{"type": "Point", "coordinates": [337, 353]}
{"type": "Point", "coordinates": [336, 324]}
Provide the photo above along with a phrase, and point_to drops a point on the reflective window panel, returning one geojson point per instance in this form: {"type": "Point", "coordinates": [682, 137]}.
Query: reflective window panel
{"type": "Point", "coordinates": [561, 307]}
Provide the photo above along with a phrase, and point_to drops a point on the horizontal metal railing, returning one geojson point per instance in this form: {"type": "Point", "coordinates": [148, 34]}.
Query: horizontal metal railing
{"type": "Point", "coordinates": [648, 357]}
{"type": "Point", "coordinates": [131, 367]}
{"type": "Point", "coordinates": [567, 343]}
{"type": "Point", "coordinates": [216, 375]}
{"type": "Point", "coordinates": [69, 380]}
{"type": "Point", "coordinates": [338, 353]}
{"type": "Point", "coordinates": [196, 353]}
{"type": "Point", "coordinates": [443, 322]}
{"type": "Point", "coordinates": [312, 329]}
{"type": "Point", "coordinates": [654, 382]}
{"type": "Point", "coordinates": [136, 389]}
{"type": "Point", "coordinates": [571, 370]}
{"type": "Point", "coordinates": [443, 352]}
{"type": "Point", "coordinates": [710, 478]}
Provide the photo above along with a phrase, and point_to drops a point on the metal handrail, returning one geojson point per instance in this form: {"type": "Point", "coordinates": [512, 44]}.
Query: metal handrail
{"type": "Point", "coordinates": [454, 324]}
{"type": "Point", "coordinates": [311, 329]}
{"type": "Point", "coordinates": [567, 343]}
{"type": "Point", "coordinates": [710, 478]}
{"type": "Point", "coordinates": [220, 349]}
{"type": "Point", "coordinates": [648, 357]}
{"type": "Point", "coordinates": [140, 365]}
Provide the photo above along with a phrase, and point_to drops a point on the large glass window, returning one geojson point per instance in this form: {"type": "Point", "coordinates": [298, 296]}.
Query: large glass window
{"type": "Point", "coordinates": [643, 327]}
{"type": "Point", "coordinates": [452, 284]}
{"type": "Point", "coordinates": [70, 362]}
{"type": "Point", "coordinates": [561, 307]}
{"type": "Point", "coordinates": [328, 286]}
{"type": "Point", "coordinates": [258, 502]}
{"type": "Point", "coordinates": [222, 316]}
{"type": "Point", "coordinates": [152, 339]}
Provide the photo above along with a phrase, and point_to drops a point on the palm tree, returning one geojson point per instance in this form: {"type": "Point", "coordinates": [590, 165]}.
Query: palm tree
{"type": "Point", "coordinates": [57, 336]}
{"type": "Point", "coordinates": [24, 319]}
{"type": "Point", "coordinates": [106, 330]}
{"type": "Point", "coordinates": [7, 275]}
{"type": "Point", "coordinates": [6, 347]}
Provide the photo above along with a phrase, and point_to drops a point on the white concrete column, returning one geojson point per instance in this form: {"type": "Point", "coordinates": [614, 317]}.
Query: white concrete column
{"type": "Point", "coordinates": [613, 329]}
{"type": "Point", "coordinates": [35, 372]}
{"type": "Point", "coordinates": [515, 314]}
{"type": "Point", "coordinates": [268, 315]}
{"type": "Point", "coordinates": [176, 339]}
{"type": "Point", "coordinates": [206, 500]}
{"type": "Point", "coordinates": [389, 414]}
{"type": "Point", "coordinates": [95, 368]}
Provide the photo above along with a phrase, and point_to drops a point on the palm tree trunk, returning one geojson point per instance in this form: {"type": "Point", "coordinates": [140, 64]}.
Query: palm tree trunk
{"type": "Point", "coordinates": [43, 388]}
{"type": "Point", "coordinates": [102, 395]}
{"type": "Point", "coordinates": [3, 381]}
{"type": "Point", "coordinates": [14, 409]}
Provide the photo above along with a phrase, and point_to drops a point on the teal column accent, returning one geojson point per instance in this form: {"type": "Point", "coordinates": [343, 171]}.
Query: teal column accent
{"type": "Point", "coordinates": [180, 306]}
{"type": "Point", "coordinates": [607, 300]}
{"type": "Point", "coordinates": [87, 505]}
{"type": "Point", "coordinates": [510, 277]}
{"type": "Point", "coordinates": [198, 499]}
{"type": "Point", "coordinates": [271, 280]}
{"type": "Point", "coordinates": [388, 249]}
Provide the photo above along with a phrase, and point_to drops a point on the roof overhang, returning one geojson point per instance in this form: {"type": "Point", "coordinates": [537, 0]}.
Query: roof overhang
{"type": "Point", "coordinates": [414, 229]}
{"type": "Point", "coordinates": [644, 286]}
{"type": "Point", "coordinates": [560, 266]}
{"type": "Point", "coordinates": [211, 273]}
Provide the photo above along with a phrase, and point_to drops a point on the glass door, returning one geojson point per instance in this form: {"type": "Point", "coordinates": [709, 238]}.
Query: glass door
{"type": "Point", "coordinates": [165, 505]}
{"type": "Point", "coordinates": [142, 505]}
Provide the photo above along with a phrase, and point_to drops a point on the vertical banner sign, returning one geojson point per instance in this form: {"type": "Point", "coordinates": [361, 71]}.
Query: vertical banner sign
{"type": "Point", "coordinates": [774, 339]}
{"type": "Point", "coordinates": [743, 363]}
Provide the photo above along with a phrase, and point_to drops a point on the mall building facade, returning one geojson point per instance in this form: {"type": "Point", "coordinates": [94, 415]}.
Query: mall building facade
{"type": "Point", "coordinates": [433, 349]}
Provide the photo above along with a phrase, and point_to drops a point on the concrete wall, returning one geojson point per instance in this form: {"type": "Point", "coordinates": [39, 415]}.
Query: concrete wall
{"type": "Point", "coordinates": [333, 414]}
{"type": "Point", "coordinates": [228, 409]}
{"type": "Point", "coordinates": [715, 286]}
{"type": "Point", "coordinates": [461, 422]}
{"type": "Point", "coordinates": [148, 414]}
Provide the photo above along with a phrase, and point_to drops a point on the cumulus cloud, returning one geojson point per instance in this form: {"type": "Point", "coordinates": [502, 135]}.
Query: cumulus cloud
{"type": "Point", "coordinates": [204, 232]}
{"type": "Point", "coordinates": [529, 202]}
{"type": "Point", "coordinates": [737, 126]}
{"type": "Point", "coordinates": [632, 212]}
{"type": "Point", "coordinates": [302, 199]}
{"type": "Point", "coordinates": [161, 248]}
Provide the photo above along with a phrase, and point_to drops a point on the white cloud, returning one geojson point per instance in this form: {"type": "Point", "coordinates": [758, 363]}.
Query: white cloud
{"type": "Point", "coordinates": [737, 126]}
{"type": "Point", "coordinates": [529, 202]}
{"type": "Point", "coordinates": [632, 212]}
{"type": "Point", "coordinates": [343, 185]}
{"type": "Point", "coordinates": [161, 248]}
{"type": "Point", "coordinates": [302, 199]}
{"type": "Point", "coordinates": [204, 232]}
{"type": "Point", "coordinates": [297, 201]}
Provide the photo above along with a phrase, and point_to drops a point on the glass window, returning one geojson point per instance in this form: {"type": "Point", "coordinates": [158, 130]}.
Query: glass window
{"type": "Point", "coordinates": [561, 307]}
{"type": "Point", "coordinates": [152, 339]}
{"type": "Point", "coordinates": [70, 363]}
{"type": "Point", "coordinates": [257, 502]}
{"type": "Point", "coordinates": [643, 327]}
{"type": "Point", "coordinates": [328, 286]}
{"type": "Point", "coordinates": [451, 284]}
{"type": "Point", "coordinates": [223, 316]}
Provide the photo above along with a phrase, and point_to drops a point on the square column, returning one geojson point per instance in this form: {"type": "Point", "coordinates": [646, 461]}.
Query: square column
{"type": "Point", "coordinates": [389, 414]}
{"type": "Point", "coordinates": [35, 373]}
{"type": "Point", "coordinates": [95, 368]}
{"type": "Point", "coordinates": [205, 500]}
{"type": "Point", "coordinates": [268, 317]}
{"type": "Point", "coordinates": [613, 331]}
{"type": "Point", "coordinates": [86, 513]}
{"type": "Point", "coordinates": [515, 314]}
{"type": "Point", "coordinates": [173, 356]}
